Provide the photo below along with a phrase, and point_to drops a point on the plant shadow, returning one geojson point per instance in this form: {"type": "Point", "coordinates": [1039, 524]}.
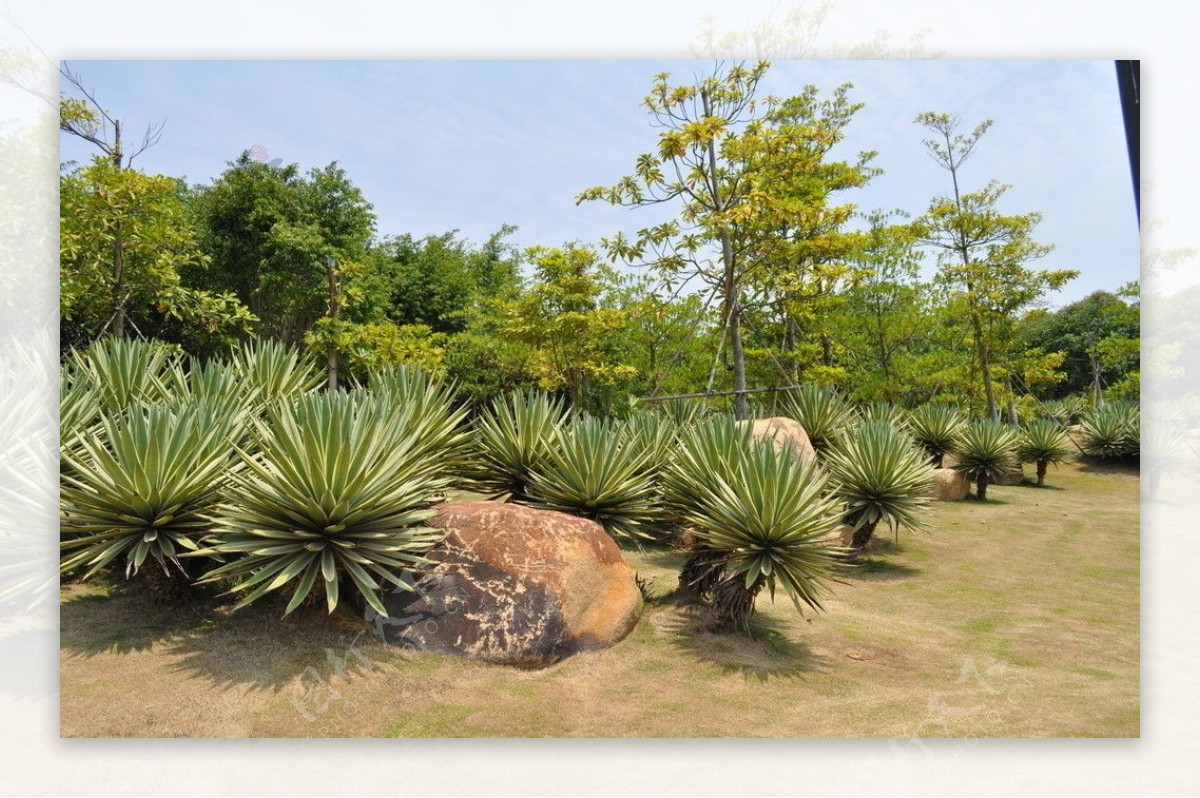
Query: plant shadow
{"type": "Point", "coordinates": [125, 620]}
{"type": "Point", "coordinates": [875, 569]}
{"type": "Point", "coordinates": [768, 651]}
{"type": "Point", "coordinates": [203, 637]}
{"type": "Point", "coordinates": [259, 648]}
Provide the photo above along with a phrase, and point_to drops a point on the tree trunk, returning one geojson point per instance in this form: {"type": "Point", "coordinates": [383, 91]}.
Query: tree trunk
{"type": "Point", "coordinates": [702, 572]}
{"type": "Point", "coordinates": [862, 535]}
{"type": "Point", "coordinates": [981, 484]}
{"type": "Point", "coordinates": [733, 603]}
{"type": "Point", "coordinates": [741, 404]}
{"type": "Point", "coordinates": [118, 287]}
{"type": "Point", "coordinates": [1041, 471]}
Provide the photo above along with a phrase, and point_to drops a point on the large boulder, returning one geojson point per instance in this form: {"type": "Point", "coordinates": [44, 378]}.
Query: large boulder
{"type": "Point", "coordinates": [515, 585]}
{"type": "Point", "coordinates": [785, 432]}
{"type": "Point", "coordinates": [949, 460]}
{"type": "Point", "coordinates": [950, 485]}
{"type": "Point", "coordinates": [1014, 476]}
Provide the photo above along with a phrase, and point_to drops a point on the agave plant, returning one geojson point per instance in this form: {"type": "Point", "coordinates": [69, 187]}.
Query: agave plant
{"type": "Point", "coordinates": [1065, 411]}
{"type": "Point", "coordinates": [879, 475]}
{"type": "Point", "coordinates": [711, 448]}
{"type": "Point", "coordinates": [142, 484]}
{"type": "Point", "coordinates": [425, 407]}
{"type": "Point", "coordinates": [887, 413]}
{"type": "Point", "coordinates": [718, 445]}
{"type": "Point", "coordinates": [652, 435]}
{"type": "Point", "coordinates": [335, 494]}
{"type": "Point", "coordinates": [124, 371]}
{"type": "Point", "coordinates": [823, 413]}
{"type": "Point", "coordinates": [591, 473]}
{"type": "Point", "coordinates": [681, 412]}
{"type": "Point", "coordinates": [988, 451]}
{"type": "Point", "coordinates": [1112, 431]}
{"type": "Point", "coordinates": [937, 428]}
{"type": "Point", "coordinates": [78, 409]}
{"type": "Point", "coordinates": [215, 383]}
{"type": "Point", "coordinates": [273, 371]}
{"type": "Point", "coordinates": [515, 434]}
{"type": "Point", "coordinates": [1044, 442]}
{"type": "Point", "coordinates": [768, 521]}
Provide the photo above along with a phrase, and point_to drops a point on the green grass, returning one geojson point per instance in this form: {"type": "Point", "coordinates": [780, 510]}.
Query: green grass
{"type": "Point", "coordinates": [1016, 617]}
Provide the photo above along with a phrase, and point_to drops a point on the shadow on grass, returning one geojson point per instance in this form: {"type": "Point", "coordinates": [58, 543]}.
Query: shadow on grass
{"type": "Point", "coordinates": [874, 569]}
{"type": "Point", "coordinates": [768, 651]}
{"type": "Point", "coordinates": [1093, 465]}
{"type": "Point", "coordinates": [126, 620]}
{"type": "Point", "coordinates": [254, 647]}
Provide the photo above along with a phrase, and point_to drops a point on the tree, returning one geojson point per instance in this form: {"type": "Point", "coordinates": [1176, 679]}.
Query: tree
{"type": "Point", "coordinates": [437, 280]}
{"type": "Point", "coordinates": [884, 320]}
{"type": "Point", "coordinates": [85, 118]}
{"type": "Point", "coordinates": [982, 253]}
{"type": "Point", "coordinates": [270, 233]}
{"type": "Point", "coordinates": [125, 242]}
{"type": "Point", "coordinates": [123, 237]}
{"type": "Point", "coordinates": [1097, 335]}
{"type": "Point", "coordinates": [748, 183]}
{"type": "Point", "coordinates": [571, 333]}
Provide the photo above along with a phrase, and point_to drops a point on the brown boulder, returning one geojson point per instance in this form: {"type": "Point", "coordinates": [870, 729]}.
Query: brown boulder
{"type": "Point", "coordinates": [785, 432]}
{"type": "Point", "coordinates": [950, 485]}
{"type": "Point", "coordinates": [949, 460]}
{"type": "Point", "coordinates": [1015, 476]}
{"type": "Point", "coordinates": [515, 585]}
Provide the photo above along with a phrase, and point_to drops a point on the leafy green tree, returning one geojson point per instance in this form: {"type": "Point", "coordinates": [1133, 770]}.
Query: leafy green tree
{"type": "Point", "coordinates": [884, 320]}
{"type": "Point", "coordinates": [1098, 336]}
{"type": "Point", "coordinates": [435, 281]}
{"type": "Point", "coordinates": [750, 185]}
{"type": "Point", "coordinates": [270, 233]}
{"type": "Point", "coordinates": [982, 254]}
{"type": "Point", "coordinates": [571, 333]}
{"type": "Point", "coordinates": [125, 243]}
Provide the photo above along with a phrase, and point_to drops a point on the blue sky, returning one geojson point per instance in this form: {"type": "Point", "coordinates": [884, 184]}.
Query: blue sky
{"type": "Point", "coordinates": [472, 145]}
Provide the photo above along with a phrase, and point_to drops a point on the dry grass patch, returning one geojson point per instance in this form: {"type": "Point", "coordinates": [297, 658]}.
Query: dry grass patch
{"type": "Point", "coordinates": [1015, 617]}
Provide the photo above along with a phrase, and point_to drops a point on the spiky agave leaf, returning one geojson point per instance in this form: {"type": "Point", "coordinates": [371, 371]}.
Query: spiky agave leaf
{"type": "Point", "coordinates": [78, 410]}
{"type": "Point", "coordinates": [681, 412]}
{"type": "Point", "coordinates": [880, 475]}
{"type": "Point", "coordinates": [887, 413]}
{"type": "Point", "coordinates": [124, 371]}
{"type": "Point", "coordinates": [1112, 431]}
{"type": "Point", "coordinates": [143, 483]}
{"type": "Point", "coordinates": [425, 406]}
{"type": "Point", "coordinates": [823, 412]}
{"type": "Point", "coordinates": [987, 452]}
{"type": "Point", "coordinates": [1044, 442]}
{"type": "Point", "coordinates": [514, 436]}
{"type": "Point", "coordinates": [216, 383]}
{"type": "Point", "coordinates": [274, 371]}
{"type": "Point", "coordinates": [769, 517]}
{"type": "Point", "coordinates": [937, 427]}
{"type": "Point", "coordinates": [707, 450]}
{"type": "Point", "coordinates": [335, 493]}
{"type": "Point", "coordinates": [1065, 411]}
{"type": "Point", "coordinates": [652, 435]}
{"type": "Point", "coordinates": [594, 473]}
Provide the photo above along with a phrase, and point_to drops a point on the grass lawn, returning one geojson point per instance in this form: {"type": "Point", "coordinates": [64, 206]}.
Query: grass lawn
{"type": "Point", "coordinates": [1018, 618]}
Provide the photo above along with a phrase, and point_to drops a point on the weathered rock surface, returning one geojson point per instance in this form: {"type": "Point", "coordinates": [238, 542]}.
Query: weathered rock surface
{"type": "Point", "coordinates": [950, 485]}
{"type": "Point", "coordinates": [515, 585]}
{"type": "Point", "coordinates": [949, 460]}
{"type": "Point", "coordinates": [785, 432]}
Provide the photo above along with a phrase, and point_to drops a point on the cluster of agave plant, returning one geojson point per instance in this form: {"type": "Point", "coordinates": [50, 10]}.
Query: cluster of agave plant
{"type": "Point", "coordinates": [240, 472]}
